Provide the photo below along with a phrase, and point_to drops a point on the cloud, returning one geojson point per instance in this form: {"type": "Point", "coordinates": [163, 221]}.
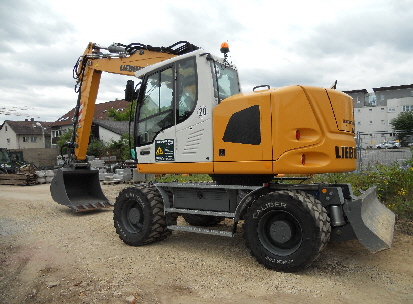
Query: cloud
{"type": "Point", "coordinates": [28, 23]}
{"type": "Point", "coordinates": [362, 44]}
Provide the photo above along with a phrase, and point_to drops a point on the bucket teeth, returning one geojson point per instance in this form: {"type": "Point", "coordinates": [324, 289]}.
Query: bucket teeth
{"type": "Point", "coordinates": [90, 207]}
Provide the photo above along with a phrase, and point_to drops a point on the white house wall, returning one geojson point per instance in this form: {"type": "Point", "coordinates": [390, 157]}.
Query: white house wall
{"type": "Point", "coordinates": [397, 104]}
{"type": "Point", "coordinates": [371, 119]}
{"type": "Point", "coordinates": [8, 137]}
{"type": "Point", "coordinates": [106, 135]}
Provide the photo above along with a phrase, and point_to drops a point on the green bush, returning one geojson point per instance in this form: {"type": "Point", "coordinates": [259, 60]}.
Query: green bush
{"type": "Point", "coordinates": [394, 185]}
{"type": "Point", "coordinates": [96, 148]}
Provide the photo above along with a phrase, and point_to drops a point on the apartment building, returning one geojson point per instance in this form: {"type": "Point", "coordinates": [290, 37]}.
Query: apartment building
{"type": "Point", "coordinates": [374, 111]}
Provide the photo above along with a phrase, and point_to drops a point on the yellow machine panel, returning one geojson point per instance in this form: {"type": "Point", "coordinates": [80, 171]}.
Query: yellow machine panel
{"type": "Point", "coordinates": [293, 130]}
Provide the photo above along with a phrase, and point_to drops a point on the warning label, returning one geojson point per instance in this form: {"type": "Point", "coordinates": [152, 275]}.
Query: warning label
{"type": "Point", "coordinates": [164, 150]}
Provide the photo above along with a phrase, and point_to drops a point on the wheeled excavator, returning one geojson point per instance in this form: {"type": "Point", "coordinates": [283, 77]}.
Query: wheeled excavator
{"type": "Point", "coordinates": [191, 117]}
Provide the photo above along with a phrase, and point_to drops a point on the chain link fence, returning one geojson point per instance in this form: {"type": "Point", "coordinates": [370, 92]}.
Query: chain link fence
{"type": "Point", "coordinates": [368, 158]}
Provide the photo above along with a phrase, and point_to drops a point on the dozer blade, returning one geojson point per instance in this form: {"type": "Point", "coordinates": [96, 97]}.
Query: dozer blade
{"type": "Point", "coordinates": [371, 221]}
{"type": "Point", "coordinates": [78, 189]}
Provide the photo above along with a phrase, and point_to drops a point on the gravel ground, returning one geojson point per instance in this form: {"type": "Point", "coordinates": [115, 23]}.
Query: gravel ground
{"type": "Point", "coordinates": [49, 254]}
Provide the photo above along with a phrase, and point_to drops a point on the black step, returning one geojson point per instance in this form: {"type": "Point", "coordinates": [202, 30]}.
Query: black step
{"type": "Point", "coordinates": [201, 230]}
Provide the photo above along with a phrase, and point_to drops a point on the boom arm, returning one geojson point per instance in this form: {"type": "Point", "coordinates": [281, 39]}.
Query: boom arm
{"type": "Point", "coordinates": [124, 60]}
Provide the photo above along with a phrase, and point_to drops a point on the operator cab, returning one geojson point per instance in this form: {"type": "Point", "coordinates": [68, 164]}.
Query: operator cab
{"type": "Point", "coordinates": [176, 98]}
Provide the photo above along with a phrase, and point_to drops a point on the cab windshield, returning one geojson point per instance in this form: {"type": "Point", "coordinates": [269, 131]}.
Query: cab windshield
{"type": "Point", "coordinates": [225, 81]}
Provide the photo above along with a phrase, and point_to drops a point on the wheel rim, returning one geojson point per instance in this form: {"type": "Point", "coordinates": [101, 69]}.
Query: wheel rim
{"type": "Point", "coordinates": [133, 216]}
{"type": "Point", "coordinates": [280, 233]}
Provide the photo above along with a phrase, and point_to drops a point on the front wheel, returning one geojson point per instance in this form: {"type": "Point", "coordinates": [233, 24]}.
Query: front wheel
{"type": "Point", "coordinates": [138, 216]}
{"type": "Point", "coordinates": [286, 230]}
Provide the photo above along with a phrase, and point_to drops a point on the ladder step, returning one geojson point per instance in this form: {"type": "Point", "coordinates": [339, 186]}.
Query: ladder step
{"type": "Point", "coordinates": [201, 212]}
{"type": "Point", "coordinates": [200, 230]}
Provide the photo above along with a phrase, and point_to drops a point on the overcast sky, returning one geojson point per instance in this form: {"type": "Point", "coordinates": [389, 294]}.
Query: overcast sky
{"type": "Point", "coordinates": [362, 44]}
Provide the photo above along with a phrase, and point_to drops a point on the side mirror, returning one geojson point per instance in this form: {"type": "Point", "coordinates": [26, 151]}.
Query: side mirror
{"type": "Point", "coordinates": [130, 90]}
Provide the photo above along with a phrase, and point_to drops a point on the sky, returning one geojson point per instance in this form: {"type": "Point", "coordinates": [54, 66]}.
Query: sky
{"type": "Point", "coordinates": [361, 44]}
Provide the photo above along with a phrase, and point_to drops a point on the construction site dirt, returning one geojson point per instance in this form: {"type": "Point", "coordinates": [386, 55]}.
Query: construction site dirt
{"type": "Point", "coordinates": [50, 254]}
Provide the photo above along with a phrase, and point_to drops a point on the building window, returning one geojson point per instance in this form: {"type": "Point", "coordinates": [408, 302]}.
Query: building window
{"type": "Point", "coordinates": [391, 110]}
{"type": "Point", "coordinates": [25, 139]}
{"type": "Point", "coordinates": [381, 96]}
{"type": "Point", "coordinates": [358, 111]}
{"type": "Point", "coordinates": [8, 140]}
{"type": "Point", "coordinates": [370, 110]}
{"type": "Point", "coordinates": [6, 128]}
{"type": "Point", "coordinates": [383, 122]}
{"type": "Point", "coordinates": [34, 139]}
{"type": "Point", "coordinates": [371, 97]}
{"type": "Point", "coordinates": [382, 109]}
{"type": "Point", "coordinates": [370, 122]}
{"type": "Point", "coordinates": [407, 108]}
{"type": "Point", "coordinates": [359, 123]}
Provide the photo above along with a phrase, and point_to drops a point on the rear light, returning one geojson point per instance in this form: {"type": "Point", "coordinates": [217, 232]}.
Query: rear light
{"type": "Point", "coordinates": [297, 135]}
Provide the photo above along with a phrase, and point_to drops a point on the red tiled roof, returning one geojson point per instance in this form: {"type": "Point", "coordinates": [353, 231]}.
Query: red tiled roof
{"type": "Point", "coordinates": [101, 112]}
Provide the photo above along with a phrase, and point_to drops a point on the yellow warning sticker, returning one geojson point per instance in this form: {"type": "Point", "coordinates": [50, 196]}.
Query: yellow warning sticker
{"type": "Point", "coordinates": [159, 151]}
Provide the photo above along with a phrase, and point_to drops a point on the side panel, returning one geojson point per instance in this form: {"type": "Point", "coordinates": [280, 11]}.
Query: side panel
{"type": "Point", "coordinates": [165, 168]}
{"type": "Point", "coordinates": [192, 138]}
{"type": "Point", "coordinates": [242, 128]}
{"type": "Point", "coordinates": [242, 135]}
{"type": "Point", "coordinates": [194, 135]}
{"type": "Point", "coordinates": [292, 113]}
{"type": "Point", "coordinates": [324, 119]}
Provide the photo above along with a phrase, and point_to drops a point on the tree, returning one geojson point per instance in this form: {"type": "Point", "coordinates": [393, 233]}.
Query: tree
{"type": "Point", "coordinates": [121, 147]}
{"type": "Point", "coordinates": [403, 122]}
{"type": "Point", "coordinates": [96, 148]}
{"type": "Point", "coordinates": [123, 116]}
{"type": "Point", "coordinates": [64, 138]}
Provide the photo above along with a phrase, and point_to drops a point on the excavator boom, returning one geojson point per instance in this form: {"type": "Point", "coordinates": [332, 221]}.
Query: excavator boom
{"type": "Point", "coordinates": [77, 185]}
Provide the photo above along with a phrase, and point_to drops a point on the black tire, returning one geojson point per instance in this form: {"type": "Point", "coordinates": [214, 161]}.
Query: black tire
{"type": "Point", "coordinates": [202, 220]}
{"type": "Point", "coordinates": [286, 230]}
{"type": "Point", "coordinates": [138, 216]}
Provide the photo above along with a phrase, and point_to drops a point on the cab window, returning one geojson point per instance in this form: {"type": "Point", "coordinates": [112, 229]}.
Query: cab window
{"type": "Point", "coordinates": [155, 110]}
{"type": "Point", "coordinates": [225, 81]}
{"type": "Point", "coordinates": [167, 97]}
{"type": "Point", "coordinates": [187, 92]}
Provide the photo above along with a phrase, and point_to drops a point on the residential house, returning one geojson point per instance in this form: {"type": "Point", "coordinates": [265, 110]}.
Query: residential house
{"type": "Point", "coordinates": [65, 123]}
{"type": "Point", "coordinates": [25, 134]}
{"type": "Point", "coordinates": [110, 130]}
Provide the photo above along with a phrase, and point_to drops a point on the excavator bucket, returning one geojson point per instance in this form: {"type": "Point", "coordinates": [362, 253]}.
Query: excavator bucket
{"type": "Point", "coordinates": [371, 221]}
{"type": "Point", "coordinates": [78, 189]}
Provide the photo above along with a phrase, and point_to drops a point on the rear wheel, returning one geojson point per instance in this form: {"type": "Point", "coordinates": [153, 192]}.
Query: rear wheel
{"type": "Point", "coordinates": [139, 216]}
{"type": "Point", "coordinates": [286, 230]}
